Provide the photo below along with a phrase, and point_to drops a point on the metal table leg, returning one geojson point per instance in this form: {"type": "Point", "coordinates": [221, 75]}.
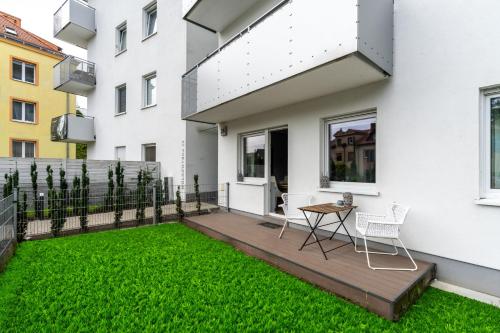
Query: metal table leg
{"type": "Point", "coordinates": [319, 217]}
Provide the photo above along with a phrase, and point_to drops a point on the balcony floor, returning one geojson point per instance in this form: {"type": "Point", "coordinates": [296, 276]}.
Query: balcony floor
{"type": "Point", "coordinates": [345, 273]}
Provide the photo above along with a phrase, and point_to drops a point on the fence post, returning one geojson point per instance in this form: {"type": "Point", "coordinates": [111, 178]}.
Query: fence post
{"type": "Point", "coordinates": [227, 197]}
{"type": "Point", "coordinates": [154, 205]}
{"type": "Point", "coordinates": [14, 203]}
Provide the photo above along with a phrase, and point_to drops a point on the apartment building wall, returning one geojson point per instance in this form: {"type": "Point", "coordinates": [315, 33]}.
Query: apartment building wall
{"type": "Point", "coordinates": [164, 53]}
{"type": "Point", "coordinates": [49, 103]}
{"type": "Point", "coordinates": [428, 138]}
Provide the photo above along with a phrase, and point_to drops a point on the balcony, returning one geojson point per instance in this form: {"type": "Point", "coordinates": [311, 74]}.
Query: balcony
{"type": "Point", "coordinates": [215, 15]}
{"type": "Point", "coordinates": [74, 22]}
{"type": "Point", "coordinates": [295, 52]}
{"type": "Point", "coordinates": [75, 76]}
{"type": "Point", "coordinates": [73, 129]}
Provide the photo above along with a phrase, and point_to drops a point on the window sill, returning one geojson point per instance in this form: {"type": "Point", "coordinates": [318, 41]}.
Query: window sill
{"type": "Point", "coordinates": [252, 183]}
{"type": "Point", "coordinates": [148, 107]}
{"type": "Point", "coordinates": [21, 81]}
{"type": "Point", "coordinates": [488, 202]}
{"type": "Point", "coordinates": [360, 191]}
{"type": "Point", "coordinates": [149, 36]}
{"type": "Point", "coordinates": [23, 122]}
{"type": "Point", "coordinates": [120, 114]}
{"type": "Point", "coordinates": [120, 52]}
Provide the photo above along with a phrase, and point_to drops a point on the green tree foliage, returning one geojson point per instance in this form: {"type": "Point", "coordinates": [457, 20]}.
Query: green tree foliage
{"type": "Point", "coordinates": [38, 204]}
{"type": "Point", "coordinates": [140, 197]}
{"type": "Point", "coordinates": [158, 200]}
{"type": "Point", "coordinates": [76, 196]}
{"type": "Point", "coordinates": [197, 194]}
{"type": "Point", "coordinates": [120, 193]}
{"type": "Point", "coordinates": [178, 203]}
{"type": "Point", "coordinates": [51, 192]}
{"type": "Point", "coordinates": [84, 205]}
{"type": "Point", "coordinates": [108, 202]}
{"type": "Point", "coordinates": [22, 217]}
{"type": "Point", "coordinates": [8, 187]}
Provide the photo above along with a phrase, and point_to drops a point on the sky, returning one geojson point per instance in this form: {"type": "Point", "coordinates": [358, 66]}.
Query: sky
{"type": "Point", "coordinates": [37, 17]}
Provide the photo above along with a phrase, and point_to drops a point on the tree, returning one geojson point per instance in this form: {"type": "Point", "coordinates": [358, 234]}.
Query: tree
{"type": "Point", "coordinates": [111, 191]}
{"type": "Point", "coordinates": [51, 193]}
{"type": "Point", "coordinates": [158, 200]}
{"type": "Point", "coordinates": [84, 204]}
{"type": "Point", "coordinates": [38, 204]}
{"type": "Point", "coordinates": [22, 217]}
{"type": "Point", "coordinates": [76, 196]}
{"type": "Point", "coordinates": [197, 194]}
{"type": "Point", "coordinates": [120, 195]}
{"type": "Point", "coordinates": [140, 198]}
{"type": "Point", "coordinates": [178, 203]}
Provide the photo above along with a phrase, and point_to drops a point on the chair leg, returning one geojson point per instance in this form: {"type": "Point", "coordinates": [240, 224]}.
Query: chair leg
{"type": "Point", "coordinates": [283, 229]}
{"type": "Point", "coordinates": [395, 253]}
{"type": "Point", "coordinates": [415, 267]}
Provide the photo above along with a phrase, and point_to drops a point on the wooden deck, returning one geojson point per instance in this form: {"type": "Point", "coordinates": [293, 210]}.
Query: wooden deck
{"type": "Point", "coordinates": [345, 273]}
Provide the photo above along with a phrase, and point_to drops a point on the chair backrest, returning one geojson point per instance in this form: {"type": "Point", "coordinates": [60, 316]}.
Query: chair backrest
{"type": "Point", "coordinates": [293, 201]}
{"type": "Point", "coordinates": [397, 212]}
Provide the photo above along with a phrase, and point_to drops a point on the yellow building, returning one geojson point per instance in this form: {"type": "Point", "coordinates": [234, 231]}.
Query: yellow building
{"type": "Point", "coordinates": [28, 101]}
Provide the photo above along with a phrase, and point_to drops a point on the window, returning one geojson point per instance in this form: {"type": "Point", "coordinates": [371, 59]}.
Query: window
{"type": "Point", "coordinates": [150, 20]}
{"type": "Point", "coordinates": [121, 38]}
{"type": "Point", "coordinates": [25, 149]}
{"type": "Point", "coordinates": [149, 152]}
{"type": "Point", "coordinates": [23, 71]}
{"type": "Point", "coordinates": [359, 167]}
{"type": "Point", "coordinates": [120, 153]}
{"type": "Point", "coordinates": [11, 31]}
{"type": "Point", "coordinates": [149, 82]}
{"type": "Point", "coordinates": [121, 99]}
{"type": "Point", "coordinates": [23, 111]}
{"type": "Point", "coordinates": [254, 155]}
{"type": "Point", "coordinates": [490, 144]}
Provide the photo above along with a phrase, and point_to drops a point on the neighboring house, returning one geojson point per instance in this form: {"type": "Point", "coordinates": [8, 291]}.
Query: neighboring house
{"type": "Point", "coordinates": [27, 99]}
{"type": "Point", "coordinates": [136, 56]}
{"type": "Point", "coordinates": [425, 74]}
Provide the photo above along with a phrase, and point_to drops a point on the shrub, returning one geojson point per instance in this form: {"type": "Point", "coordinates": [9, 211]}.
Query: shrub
{"type": "Point", "coordinates": [197, 194]}
{"type": "Point", "coordinates": [22, 217]}
{"type": "Point", "coordinates": [84, 204]}
{"type": "Point", "coordinates": [140, 198]}
{"type": "Point", "coordinates": [178, 203]}
{"type": "Point", "coordinates": [111, 191]}
{"type": "Point", "coordinates": [158, 200]}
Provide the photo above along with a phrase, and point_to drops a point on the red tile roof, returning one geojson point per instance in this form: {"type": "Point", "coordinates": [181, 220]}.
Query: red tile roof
{"type": "Point", "coordinates": [24, 36]}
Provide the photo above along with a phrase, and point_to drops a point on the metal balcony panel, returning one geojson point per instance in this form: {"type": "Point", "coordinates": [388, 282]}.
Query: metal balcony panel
{"type": "Point", "coordinates": [75, 76]}
{"type": "Point", "coordinates": [74, 23]}
{"type": "Point", "coordinates": [215, 15]}
{"type": "Point", "coordinates": [73, 129]}
{"type": "Point", "coordinates": [286, 44]}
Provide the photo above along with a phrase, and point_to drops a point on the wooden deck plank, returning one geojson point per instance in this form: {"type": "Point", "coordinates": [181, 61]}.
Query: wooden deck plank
{"type": "Point", "coordinates": [345, 273]}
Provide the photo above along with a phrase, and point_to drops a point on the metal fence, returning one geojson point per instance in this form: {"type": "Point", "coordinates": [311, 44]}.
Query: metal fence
{"type": "Point", "coordinates": [58, 213]}
{"type": "Point", "coordinates": [7, 228]}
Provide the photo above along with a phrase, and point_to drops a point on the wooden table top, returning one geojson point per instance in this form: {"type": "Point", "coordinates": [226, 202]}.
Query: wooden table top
{"type": "Point", "coordinates": [327, 208]}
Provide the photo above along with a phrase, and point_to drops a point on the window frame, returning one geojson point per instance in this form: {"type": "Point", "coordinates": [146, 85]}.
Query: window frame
{"type": "Point", "coordinates": [148, 145]}
{"type": "Point", "coordinates": [117, 148]}
{"type": "Point", "coordinates": [147, 11]}
{"type": "Point", "coordinates": [485, 190]}
{"type": "Point", "coordinates": [24, 102]}
{"type": "Point", "coordinates": [241, 158]}
{"type": "Point", "coordinates": [145, 79]}
{"type": "Point", "coordinates": [117, 99]}
{"type": "Point", "coordinates": [353, 187]}
{"type": "Point", "coordinates": [119, 47]}
{"type": "Point", "coordinates": [24, 63]}
{"type": "Point", "coordinates": [23, 149]}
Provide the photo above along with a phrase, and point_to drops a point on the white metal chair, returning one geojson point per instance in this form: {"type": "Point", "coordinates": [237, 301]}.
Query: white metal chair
{"type": "Point", "coordinates": [383, 226]}
{"type": "Point", "coordinates": [291, 203]}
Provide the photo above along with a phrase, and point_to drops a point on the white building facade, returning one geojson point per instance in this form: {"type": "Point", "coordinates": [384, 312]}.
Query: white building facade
{"type": "Point", "coordinates": [391, 101]}
{"type": "Point", "coordinates": [137, 51]}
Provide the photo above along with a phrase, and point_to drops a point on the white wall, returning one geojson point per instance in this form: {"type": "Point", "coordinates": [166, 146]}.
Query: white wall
{"type": "Point", "coordinates": [165, 53]}
{"type": "Point", "coordinates": [427, 131]}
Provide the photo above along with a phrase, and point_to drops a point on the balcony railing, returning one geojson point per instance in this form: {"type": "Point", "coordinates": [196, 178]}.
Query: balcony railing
{"type": "Point", "coordinates": [74, 22]}
{"type": "Point", "coordinates": [75, 76]}
{"type": "Point", "coordinates": [72, 128]}
{"type": "Point", "coordinates": [296, 51]}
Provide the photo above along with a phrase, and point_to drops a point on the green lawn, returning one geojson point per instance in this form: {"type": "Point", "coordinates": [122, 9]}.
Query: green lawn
{"type": "Point", "coordinates": [170, 278]}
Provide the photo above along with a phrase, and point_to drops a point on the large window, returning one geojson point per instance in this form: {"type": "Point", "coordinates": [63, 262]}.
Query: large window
{"type": "Point", "coordinates": [23, 71]}
{"type": "Point", "coordinates": [121, 38]}
{"type": "Point", "coordinates": [25, 149]}
{"type": "Point", "coordinates": [150, 16]}
{"type": "Point", "coordinates": [121, 99]}
{"type": "Point", "coordinates": [149, 152]}
{"type": "Point", "coordinates": [351, 147]}
{"type": "Point", "coordinates": [23, 111]}
{"type": "Point", "coordinates": [254, 155]}
{"type": "Point", "coordinates": [490, 144]}
{"type": "Point", "coordinates": [149, 87]}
